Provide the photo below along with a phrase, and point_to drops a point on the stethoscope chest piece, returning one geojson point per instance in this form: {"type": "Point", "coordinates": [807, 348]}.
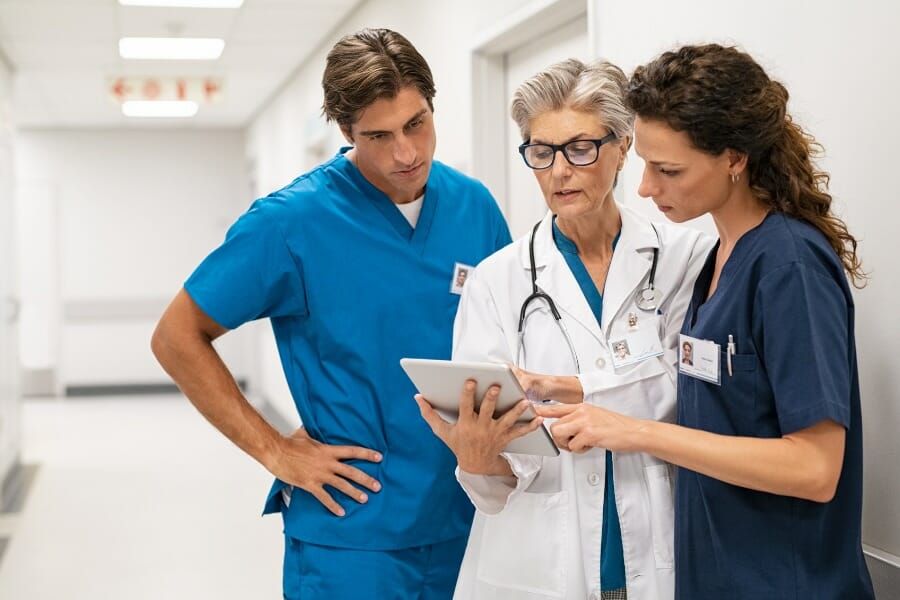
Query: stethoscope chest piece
{"type": "Point", "coordinates": [648, 299]}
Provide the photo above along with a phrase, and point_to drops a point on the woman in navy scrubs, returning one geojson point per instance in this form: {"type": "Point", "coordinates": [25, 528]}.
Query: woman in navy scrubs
{"type": "Point", "coordinates": [768, 442]}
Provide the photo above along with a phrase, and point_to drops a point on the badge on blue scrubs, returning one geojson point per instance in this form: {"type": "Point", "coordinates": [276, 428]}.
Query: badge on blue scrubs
{"type": "Point", "coordinates": [699, 358]}
{"type": "Point", "coordinates": [460, 273]}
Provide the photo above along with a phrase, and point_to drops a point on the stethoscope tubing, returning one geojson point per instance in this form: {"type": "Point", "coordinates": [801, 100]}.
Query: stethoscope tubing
{"type": "Point", "coordinates": [647, 299]}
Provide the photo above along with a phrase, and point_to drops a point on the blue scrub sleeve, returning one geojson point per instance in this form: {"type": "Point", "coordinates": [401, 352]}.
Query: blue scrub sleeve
{"type": "Point", "coordinates": [503, 237]}
{"type": "Point", "coordinates": [804, 317]}
{"type": "Point", "coordinates": [253, 274]}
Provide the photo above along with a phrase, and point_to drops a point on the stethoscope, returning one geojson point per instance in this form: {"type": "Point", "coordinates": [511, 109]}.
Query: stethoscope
{"type": "Point", "coordinates": [647, 299]}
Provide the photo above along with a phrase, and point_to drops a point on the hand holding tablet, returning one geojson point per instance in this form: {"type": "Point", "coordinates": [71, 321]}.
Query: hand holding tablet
{"type": "Point", "coordinates": [442, 383]}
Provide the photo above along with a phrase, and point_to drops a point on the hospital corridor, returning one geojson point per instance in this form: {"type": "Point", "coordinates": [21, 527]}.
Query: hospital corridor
{"type": "Point", "coordinates": [216, 216]}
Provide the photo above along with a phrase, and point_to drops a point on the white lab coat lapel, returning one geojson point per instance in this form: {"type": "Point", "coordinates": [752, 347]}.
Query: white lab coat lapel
{"type": "Point", "coordinates": [630, 265]}
{"type": "Point", "coordinates": [556, 279]}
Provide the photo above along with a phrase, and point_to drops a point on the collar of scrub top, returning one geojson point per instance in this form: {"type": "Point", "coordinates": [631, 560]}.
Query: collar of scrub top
{"type": "Point", "coordinates": [629, 270]}
{"type": "Point", "coordinates": [417, 236]}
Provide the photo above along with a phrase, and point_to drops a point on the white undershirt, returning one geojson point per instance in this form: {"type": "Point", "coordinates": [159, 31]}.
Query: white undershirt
{"type": "Point", "coordinates": [411, 210]}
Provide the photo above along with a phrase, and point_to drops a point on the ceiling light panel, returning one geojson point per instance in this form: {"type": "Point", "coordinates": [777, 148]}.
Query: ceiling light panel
{"type": "Point", "coordinates": [159, 108]}
{"type": "Point", "coordinates": [171, 48]}
{"type": "Point", "coordinates": [184, 3]}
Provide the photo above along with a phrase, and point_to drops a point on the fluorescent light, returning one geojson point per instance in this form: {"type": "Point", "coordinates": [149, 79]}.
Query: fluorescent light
{"type": "Point", "coordinates": [171, 48]}
{"type": "Point", "coordinates": [185, 3]}
{"type": "Point", "coordinates": [159, 108]}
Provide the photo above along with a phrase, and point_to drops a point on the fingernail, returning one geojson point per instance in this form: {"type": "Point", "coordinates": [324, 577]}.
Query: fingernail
{"type": "Point", "coordinates": [470, 385]}
{"type": "Point", "coordinates": [377, 456]}
{"type": "Point", "coordinates": [363, 497]}
{"type": "Point", "coordinates": [341, 512]}
{"type": "Point", "coordinates": [377, 487]}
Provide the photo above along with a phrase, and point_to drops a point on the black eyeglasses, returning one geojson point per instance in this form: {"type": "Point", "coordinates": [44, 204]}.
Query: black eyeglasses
{"type": "Point", "coordinates": [579, 153]}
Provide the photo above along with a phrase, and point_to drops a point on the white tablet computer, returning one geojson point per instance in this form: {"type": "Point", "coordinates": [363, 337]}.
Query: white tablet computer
{"type": "Point", "coordinates": [441, 382]}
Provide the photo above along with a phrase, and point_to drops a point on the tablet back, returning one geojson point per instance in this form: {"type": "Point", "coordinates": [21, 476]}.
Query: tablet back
{"type": "Point", "coordinates": [441, 383]}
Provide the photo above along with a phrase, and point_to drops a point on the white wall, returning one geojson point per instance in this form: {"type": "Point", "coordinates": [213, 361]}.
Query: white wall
{"type": "Point", "coordinates": [10, 405]}
{"type": "Point", "coordinates": [289, 137]}
{"type": "Point", "coordinates": [840, 63]}
{"type": "Point", "coordinates": [132, 213]}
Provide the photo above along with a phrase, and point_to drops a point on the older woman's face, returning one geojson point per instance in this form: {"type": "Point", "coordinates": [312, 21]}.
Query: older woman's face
{"type": "Point", "coordinates": [570, 191]}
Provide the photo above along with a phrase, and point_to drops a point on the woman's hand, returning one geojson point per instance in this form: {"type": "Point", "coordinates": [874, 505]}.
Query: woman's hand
{"type": "Point", "coordinates": [538, 387]}
{"type": "Point", "coordinates": [477, 438]}
{"type": "Point", "coordinates": [584, 426]}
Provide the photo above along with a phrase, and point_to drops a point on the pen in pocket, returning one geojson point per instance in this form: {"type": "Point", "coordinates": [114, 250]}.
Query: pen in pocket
{"type": "Point", "coordinates": [730, 352]}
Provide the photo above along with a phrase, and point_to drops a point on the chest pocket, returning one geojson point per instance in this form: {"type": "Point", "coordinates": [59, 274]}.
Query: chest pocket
{"type": "Point", "coordinates": [741, 393]}
{"type": "Point", "coordinates": [637, 341]}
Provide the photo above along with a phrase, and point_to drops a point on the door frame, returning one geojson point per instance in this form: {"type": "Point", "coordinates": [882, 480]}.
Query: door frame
{"type": "Point", "coordinates": [490, 117]}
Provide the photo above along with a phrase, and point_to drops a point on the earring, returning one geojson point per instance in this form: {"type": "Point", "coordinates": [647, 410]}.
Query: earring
{"type": "Point", "coordinates": [735, 178]}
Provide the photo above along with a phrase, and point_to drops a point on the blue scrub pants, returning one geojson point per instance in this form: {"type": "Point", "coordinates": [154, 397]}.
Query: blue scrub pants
{"type": "Point", "coordinates": [314, 572]}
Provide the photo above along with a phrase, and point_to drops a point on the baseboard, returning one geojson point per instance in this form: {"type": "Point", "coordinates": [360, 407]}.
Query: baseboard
{"type": "Point", "coordinates": [885, 571]}
{"type": "Point", "coordinates": [15, 486]}
{"type": "Point", "coordinates": [128, 389]}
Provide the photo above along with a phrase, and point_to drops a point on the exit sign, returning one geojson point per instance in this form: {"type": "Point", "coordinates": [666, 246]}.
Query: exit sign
{"type": "Point", "coordinates": [203, 90]}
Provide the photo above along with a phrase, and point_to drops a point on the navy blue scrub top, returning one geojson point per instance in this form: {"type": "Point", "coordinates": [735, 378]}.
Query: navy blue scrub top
{"type": "Point", "coordinates": [612, 558]}
{"type": "Point", "coordinates": [351, 288]}
{"type": "Point", "coordinates": [784, 298]}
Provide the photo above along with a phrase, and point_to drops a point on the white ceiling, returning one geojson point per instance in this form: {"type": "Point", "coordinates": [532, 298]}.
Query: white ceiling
{"type": "Point", "coordinates": [64, 54]}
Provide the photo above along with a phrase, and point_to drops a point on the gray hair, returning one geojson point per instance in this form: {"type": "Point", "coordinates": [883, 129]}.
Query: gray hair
{"type": "Point", "coordinates": [598, 87]}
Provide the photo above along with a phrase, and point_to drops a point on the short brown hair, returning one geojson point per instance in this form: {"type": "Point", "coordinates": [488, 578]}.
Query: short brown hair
{"type": "Point", "coordinates": [369, 65]}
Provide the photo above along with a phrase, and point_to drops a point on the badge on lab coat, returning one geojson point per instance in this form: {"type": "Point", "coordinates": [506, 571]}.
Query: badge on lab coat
{"type": "Point", "coordinates": [699, 358]}
{"type": "Point", "coordinates": [638, 343]}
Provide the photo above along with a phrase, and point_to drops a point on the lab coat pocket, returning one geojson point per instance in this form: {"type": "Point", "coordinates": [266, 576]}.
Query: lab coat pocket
{"type": "Point", "coordinates": [662, 514]}
{"type": "Point", "coordinates": [523, 546]}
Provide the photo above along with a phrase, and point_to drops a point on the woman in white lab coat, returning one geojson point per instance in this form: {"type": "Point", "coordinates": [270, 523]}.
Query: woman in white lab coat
{"type": "Point", "coordinates": [543, 527]}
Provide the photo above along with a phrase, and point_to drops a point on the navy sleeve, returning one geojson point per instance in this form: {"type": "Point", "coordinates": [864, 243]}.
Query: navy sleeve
{"type": "Point", "coordinates": [253, 274]}
{"type": "Point", "coordinates": [801, 320]}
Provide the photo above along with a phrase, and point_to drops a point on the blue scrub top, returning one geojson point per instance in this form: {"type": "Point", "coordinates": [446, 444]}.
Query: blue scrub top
{"type": "Point", "coordinates": [784, 298]}
{"type": "Point", "coordinates": [351, 288]}
{"type": "Point", "coordinates": [612, 557]}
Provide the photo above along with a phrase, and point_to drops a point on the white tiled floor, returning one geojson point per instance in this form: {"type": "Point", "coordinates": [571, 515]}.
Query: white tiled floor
{"type": "Point", "coordinates": [138, 498]}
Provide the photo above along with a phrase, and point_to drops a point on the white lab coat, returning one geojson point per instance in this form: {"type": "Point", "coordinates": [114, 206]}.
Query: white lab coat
{"type": "Point", "coordinates": [537, 536]}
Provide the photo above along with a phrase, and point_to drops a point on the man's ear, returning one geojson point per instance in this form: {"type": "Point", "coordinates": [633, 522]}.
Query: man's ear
{"type": "Point", "coordinates": [345, 129]}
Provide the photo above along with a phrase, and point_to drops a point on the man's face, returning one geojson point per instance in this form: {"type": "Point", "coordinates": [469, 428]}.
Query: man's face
{"type": "Point", "coordinates": [394, 144]}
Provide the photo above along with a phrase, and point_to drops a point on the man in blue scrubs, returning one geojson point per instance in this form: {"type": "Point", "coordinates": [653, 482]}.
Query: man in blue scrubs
{"type": "Point", "coordinates": [357, 264]}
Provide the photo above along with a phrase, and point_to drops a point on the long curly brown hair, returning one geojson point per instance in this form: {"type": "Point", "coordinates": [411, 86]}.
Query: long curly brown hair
{"type": "Point", "coordinates": [722, 99]}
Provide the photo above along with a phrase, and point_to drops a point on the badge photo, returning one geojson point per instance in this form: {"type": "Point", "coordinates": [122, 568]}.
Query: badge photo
{"type": "Point", "coordinates": [699, 358]}
{"type": "Point", "coordinates": [460, 274]}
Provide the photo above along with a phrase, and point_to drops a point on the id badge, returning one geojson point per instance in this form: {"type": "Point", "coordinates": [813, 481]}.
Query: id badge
{"type": "Point", "coordinates": [699, 358]}
{"type": "Point", "coordinates": [460, 274]}
{"type": "Point", "coordinates": [638, 343]}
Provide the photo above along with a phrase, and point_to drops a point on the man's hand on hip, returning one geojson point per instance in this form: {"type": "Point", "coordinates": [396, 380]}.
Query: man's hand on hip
{"type": "Point", "coordinates": [310, 465]}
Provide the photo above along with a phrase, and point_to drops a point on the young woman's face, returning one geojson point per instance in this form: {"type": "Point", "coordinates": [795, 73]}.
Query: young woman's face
{"type": "Point", "coordinates": [683, 182]}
